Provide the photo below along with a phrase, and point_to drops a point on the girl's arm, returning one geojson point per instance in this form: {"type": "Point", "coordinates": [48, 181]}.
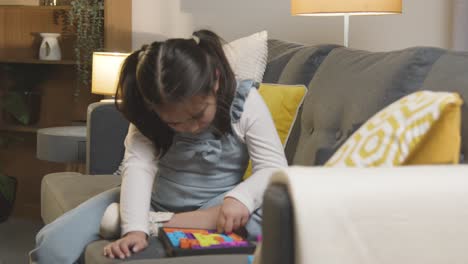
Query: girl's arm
{"type": "Point", "coordinates": [257, 130]}
{"type": "Point", "coordinates": [204, 219]}
{"type": "Point", "coordinates": [139, 170]}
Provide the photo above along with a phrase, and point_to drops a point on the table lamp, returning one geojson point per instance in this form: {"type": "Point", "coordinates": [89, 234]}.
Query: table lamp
{"type": "Point", "coordinates": [345, 8]}
{"type": "Point", "coordinates": [106, 72]}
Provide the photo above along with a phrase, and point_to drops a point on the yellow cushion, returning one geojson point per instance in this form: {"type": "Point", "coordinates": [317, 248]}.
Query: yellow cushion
{"type": "Point", "coordinates": [421, 128]}
{"type": "Point", "coordinates": [283, 101]}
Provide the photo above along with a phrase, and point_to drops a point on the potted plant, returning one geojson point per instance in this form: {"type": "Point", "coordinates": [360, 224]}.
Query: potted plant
{"type": "Point", "coordinates": [20, 99]}
{"type": "Point", "coordinates": [19, 104]}
{"type": "Point", "coordinates": [86, 19]}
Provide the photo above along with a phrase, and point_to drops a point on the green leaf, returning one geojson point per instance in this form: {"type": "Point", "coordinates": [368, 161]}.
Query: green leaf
{"type": "Point", "coordinates": [13, 103]}
{"type": "Point", "coordinates": [87, 17]}
{"type": "Point", "coordinates": [7, 187]}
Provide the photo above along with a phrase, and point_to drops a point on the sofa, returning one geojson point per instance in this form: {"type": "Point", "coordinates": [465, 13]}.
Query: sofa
{"type": "Point", "coordinates": [346, 87]}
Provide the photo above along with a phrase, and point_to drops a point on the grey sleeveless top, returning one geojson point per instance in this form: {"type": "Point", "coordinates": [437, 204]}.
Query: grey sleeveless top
{"type": "Point", "coordinates": [198, 168]}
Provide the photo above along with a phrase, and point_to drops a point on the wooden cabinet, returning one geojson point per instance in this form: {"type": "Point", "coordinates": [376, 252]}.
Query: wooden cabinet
{"type": "Point", "coordinates": [54, 84]}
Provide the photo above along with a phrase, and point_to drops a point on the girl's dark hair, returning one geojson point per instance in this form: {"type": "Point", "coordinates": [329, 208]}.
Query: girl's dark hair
{"type": "Point", "coordinates": [171, 71]}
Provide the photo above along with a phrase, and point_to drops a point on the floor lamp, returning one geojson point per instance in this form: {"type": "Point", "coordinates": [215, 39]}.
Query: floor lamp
{"type": "Point", "coordinates": [345, 8]}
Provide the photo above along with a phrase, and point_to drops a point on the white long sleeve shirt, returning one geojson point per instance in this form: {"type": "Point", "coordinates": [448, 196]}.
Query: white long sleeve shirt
{"type": "Point", "coordinates": [255, 128]}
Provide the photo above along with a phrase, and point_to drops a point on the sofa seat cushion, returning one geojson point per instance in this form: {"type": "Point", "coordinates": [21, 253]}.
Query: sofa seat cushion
{"type": "Point", "coordinates": [153, 254]}
{"type": "Point", "coordinates": [94, 255]}
{"type": "Point", "coordinates": [63, 191]}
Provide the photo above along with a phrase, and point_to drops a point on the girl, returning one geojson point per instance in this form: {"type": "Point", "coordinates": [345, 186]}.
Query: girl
{"type": "Point", "coordinates": [193, 129]}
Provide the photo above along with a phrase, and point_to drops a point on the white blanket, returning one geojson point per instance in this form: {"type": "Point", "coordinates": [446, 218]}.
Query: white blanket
{"type": "Point", "coordinates": [405, 215]}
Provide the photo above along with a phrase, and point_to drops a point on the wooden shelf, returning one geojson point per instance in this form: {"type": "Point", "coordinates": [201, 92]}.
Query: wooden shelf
{"type": "Point", "coordinates": [36, 61]}
{"type": "Point", "coordinates": [19, 46]}
{"type": "Point", "coordinates": [19, 128]}
{"type": "Point", "coordinates": [64, 7]}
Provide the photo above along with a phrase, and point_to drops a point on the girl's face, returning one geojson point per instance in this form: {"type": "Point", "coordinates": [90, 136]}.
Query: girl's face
{"type": "Point", "coordinates": [192, 115]}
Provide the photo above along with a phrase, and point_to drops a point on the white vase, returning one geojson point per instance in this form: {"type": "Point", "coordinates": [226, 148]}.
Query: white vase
{"type": "Point", "coordinates": [50, 49]}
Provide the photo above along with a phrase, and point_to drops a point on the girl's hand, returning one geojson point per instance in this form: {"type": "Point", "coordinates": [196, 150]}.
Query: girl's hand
{"type": "Point", "coordinates": [232, 215]}
{"type": "Point", "coordinates": [134, 241]}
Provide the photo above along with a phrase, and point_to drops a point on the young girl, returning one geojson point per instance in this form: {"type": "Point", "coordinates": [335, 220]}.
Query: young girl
{"type": "Point", "coordinates": [193, 129]}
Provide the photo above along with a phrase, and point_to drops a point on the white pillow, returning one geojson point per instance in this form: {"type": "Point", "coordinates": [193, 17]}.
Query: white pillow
{"type": "Point", "coordinates": [248, 56]}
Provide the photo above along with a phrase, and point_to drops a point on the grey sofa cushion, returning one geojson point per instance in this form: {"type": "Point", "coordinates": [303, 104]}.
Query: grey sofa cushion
{"type": "Point", "coordinates": [349, 87]}
{"type": "Point", "coordinates": [278, 47]}
{"type": "Point", "coordinates": [302, 67]}
{"type": "Point", "coordinates": [293, 63]}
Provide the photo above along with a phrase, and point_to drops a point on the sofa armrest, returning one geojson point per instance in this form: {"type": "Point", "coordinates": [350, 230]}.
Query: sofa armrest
{"type": "Point", "coordinates": [277, 226]}
{"type": "Point", "coordinates": [106, 130]}
{"type": "Point", "coordinates": [375, 215]}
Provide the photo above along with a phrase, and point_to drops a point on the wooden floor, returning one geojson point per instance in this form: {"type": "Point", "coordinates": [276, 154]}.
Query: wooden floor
{"type": "Point", "coordinates": [17, 238]}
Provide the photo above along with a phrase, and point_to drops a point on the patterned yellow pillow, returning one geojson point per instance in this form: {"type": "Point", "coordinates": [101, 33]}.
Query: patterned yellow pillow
{"type": "Point", "coordinates": [283, 101]}
{"type": "Point", "coordinates": [421, 128]}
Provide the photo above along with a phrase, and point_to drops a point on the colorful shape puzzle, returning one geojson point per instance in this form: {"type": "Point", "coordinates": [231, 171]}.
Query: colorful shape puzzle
{"type": "Point", "coordinates": [184, 242]}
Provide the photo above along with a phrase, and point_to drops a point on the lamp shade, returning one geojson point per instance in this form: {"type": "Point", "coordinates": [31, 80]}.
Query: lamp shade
{"type": "Point", "coordinates": [106, 71]}
{"type": "Point", "coordinates": [341, 7]}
